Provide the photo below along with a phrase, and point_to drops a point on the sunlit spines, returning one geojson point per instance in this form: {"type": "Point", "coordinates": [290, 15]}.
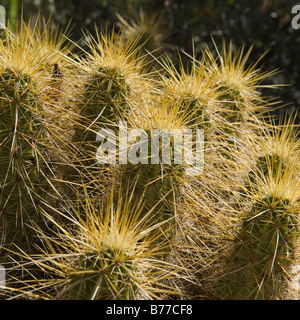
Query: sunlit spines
{"type": "Point", "coordinates": [147, 32]}
{"type": "Point", "coordinates": [231, 66]}
{"type": "Point", "coordinates": [193, 89]}
{"type": "Point", "coordinates": [111, 79]}
{"type": "Point", "coordinates": [260, 258]}
{"type": "Point", "coordinates": [27, 136]}
{"type": "Point", "coordinates": [105, 251]}
{"type": "Point", "coordinates": [239, 81]}
{"type": "Point", "coordinates": [274, 148]}
{"type": "Point", "coordinates": [21, 126]}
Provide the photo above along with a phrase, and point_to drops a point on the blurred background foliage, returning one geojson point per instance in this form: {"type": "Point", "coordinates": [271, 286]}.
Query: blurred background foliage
{"type": "Point", "coordinates": [267, 24]}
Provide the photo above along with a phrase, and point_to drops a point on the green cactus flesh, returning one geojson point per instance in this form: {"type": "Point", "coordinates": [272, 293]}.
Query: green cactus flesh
{"type": "Point", "coordinates": [109, 276]}
{"type": "Point", "coordinates": [196, 112]}
{"type": "Point", "coordinates": [158, 185]}
{"type": "Point", "coordinates": [262, 253]}
{"type": "Point", "coordinates": [233, 101]}
{"type": "Point", "coordinates": [268, 166]}
{"type": "Point", "coordinates": [20, 131]}
{"type": "Point", "coordinates": [105, 102]}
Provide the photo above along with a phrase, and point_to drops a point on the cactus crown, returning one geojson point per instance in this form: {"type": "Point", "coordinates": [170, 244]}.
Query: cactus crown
{"type": "Point", "coordinates": [104, 256]}
{"type": "Point", "coordinates": [263, 250]}
{"type": "Point", "coordinates": [147, 30]}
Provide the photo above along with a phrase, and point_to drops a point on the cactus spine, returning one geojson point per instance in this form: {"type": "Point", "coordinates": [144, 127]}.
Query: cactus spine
{"type": "Point", "coordinates": [110, 275]}
{"type": "Point", "coordinates": [106, 254]}
{"type": "Point", "coordinates": [21, 130]}
{"type": "Point", "coordinates": [128, 247]}
{"type": "Point", "coordinates": [262, 252]}
{"type": "Point", "coordinates": [264, 249]}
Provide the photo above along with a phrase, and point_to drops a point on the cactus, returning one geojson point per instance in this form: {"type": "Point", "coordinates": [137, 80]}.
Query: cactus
{"type": "Point", "coordinates": [263, 165]}
{"type": "Point", "coordinates": [22, 172]}
{"type": "Point", "coordinates": [156, 182]}
{"type": "Point", "coordinates": [193, 90]}
{"type": "Point", "coordinates": [26, 146]}
{"type": "Point", "coordinates": [234, 103]}
{"type": "Point", "coordinates": [111, 271]}
{"type": "Point", "coordinates": [235, 225]}
{"type": "Point", "coordinates": [21, 127]}
{"type": "Point", "coordinates": [105, 95]}
{"type": "Point", "coordinates": [105, 101]}
{"type": "Point", "coordinates": [277, 151]}
{"type": "Point", "coordinates": [159, 187]}
{"type": "Point", "coordinates": [110, 276]}
{"type": "Point", "coordinates": [106, 255]}
{"type": "Point", "coordinates": [263, 252]}
{"type": "Point", "coordinates": [53, 45]}
{"type": "Point", "coordinates": [146, 31]}
{"type": "Point", "coordinates": [111, 80]}
{"type": "Point", "coordinates": [238, 84]}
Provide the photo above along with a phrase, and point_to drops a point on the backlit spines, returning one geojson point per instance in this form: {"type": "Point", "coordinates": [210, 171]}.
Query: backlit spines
{"type": "Point", "coordinates": [105, 252]}
{"type": "Point", "coordinates": [22, 152]}
{"type": "Point", "coordinates": [228, 221]}
{"type": "Point", "coordinates": [262, 253]}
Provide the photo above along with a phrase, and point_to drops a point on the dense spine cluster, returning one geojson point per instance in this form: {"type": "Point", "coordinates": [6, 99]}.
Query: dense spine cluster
{"type": "Point", "coordinates": [22, 155]}
{"type": "Point", "coordinates": [150, 228]}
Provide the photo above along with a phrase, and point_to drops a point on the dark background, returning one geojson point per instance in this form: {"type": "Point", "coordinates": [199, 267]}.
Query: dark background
{"type": "Point", "coordinates": [267, 24]}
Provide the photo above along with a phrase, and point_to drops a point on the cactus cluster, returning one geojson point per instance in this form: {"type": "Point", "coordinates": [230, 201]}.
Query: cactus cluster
{"type": "Point", "coordinates": [24, 133]}
{"type": "Point", "coordinates": [150, 224]}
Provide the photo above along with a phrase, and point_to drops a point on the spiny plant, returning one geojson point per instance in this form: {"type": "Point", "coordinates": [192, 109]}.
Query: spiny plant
{"type": "Point", "coordinates": [60, 94]}
{"type": "Point", "coordinates": [27, 140]}
{"type": "Point", "coordinates": [156, 165]}
{"type": "Point", "coordinates": [245, 246]}
{"type": "Point", "coordinates": [230, 227]}
{"type": "Point", "coordinates": [112, 76]}
{"type": "Point", "coordinates": [111, 79]}
{"type": "Point", "coordinates": [199, 94]}
{"type": "Point", "coordinates": [238, 81]}
{"type": "Point", "coordinates": [22, 131]}
{"type": "Point", "coordinates": [240, 102]}
{"type": "Point", "coordinates": [147, 29]}
{"type": "Point", "coordinates": [189, 100]}
{"type": "Point", "coordinates": [108, 270]}
{"type": "Point", "coordinates": [194, 90]}
{"type": "Point", "coordinates": [159, 168]}
{"type": "Point", "coordinates": [204, 225]}
{"type": "Point", "coordinates": [105, 255]}
{"type": "Point", "coordinates": [276, 148]}
{"type": "Point", "coordinates": [57, 49]}
{"type": "Point", "coordinates": [262, 253]}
